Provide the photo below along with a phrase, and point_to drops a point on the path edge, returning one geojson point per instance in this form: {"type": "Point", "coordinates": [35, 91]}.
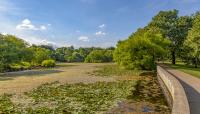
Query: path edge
{"type": "Point", "coordinates": [174, 92]}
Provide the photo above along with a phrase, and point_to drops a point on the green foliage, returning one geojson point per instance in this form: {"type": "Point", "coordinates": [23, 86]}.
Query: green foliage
{"type": "Point", "coordinates": [19, 66]}
{"type": "Point", "coordinates": [141, 49]}
{"type": "Point", "coordinates": [26, 65]}
{"type": "Point", "coordinates": [10, 50]}
{"type": "Point", "coordinates": [115, 70]}
{"type": "Point", "coordinates": [75, 57]}
{"type": "Point", "coordinates": [193, 40]}
{"type": "Point", "coordinates": [99, 56]}
{"type": "Point", "coordinates": [40, 54]}
{"type": "Point", "coordinates": [174, 28]}
{"type": "Point", "coordinates": [6, 105]}
{"type": "Point", "coordinates": [16, 54]}
{"type": "Point", "coordinates": [69, 54]}
{"type": "Point", "coordinates": [14, 51]}
{"type": "Point", "coordinates": [48, 63]}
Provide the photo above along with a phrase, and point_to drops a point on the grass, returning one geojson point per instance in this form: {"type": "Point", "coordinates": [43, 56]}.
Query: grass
{"type": "Point", "coordinates": [70, 98]}
{"type": "Point", "coordinates": [115, 70]}
{"type": "Point", "coordinates": [186, 68]}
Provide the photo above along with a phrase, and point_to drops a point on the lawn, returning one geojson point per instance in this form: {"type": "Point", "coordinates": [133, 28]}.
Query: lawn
{"type": "Point", "coordinates": [186, 68]}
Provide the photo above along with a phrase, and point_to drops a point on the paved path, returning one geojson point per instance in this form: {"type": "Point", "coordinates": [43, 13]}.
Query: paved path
{"type": "Point", "coordinates": [191, 85]}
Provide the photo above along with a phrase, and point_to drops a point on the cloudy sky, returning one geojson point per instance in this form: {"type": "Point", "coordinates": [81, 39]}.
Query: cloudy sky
{"type": "Point", "coordinates": [82, 22]}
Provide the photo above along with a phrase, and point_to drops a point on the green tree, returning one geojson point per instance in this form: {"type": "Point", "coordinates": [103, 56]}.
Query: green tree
{"type": "Point", "coordinates": [11, 49]}
{"type": "Point", "coordinates": [141, 50]}
{"type": "Point", "coordinates": [40, 54]}
{"type": "Point", "coordinates": [99, 56]}
{"type": "Point", "coordinates": [174, 28]}
{"type": "Point", "coordinates": [193, 40]}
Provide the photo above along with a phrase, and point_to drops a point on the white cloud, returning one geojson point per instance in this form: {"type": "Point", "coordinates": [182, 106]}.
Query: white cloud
{"type": "Point", "coordinates": [26, 24]}
{"type": "Point", "coordinates": [84, 38]}
{"type": "Point", "coordinates": [43, 27]}
{"type": "Point", "coordinates": [102, 26]}
{"type": "Point", "coordinates": [100, 33]}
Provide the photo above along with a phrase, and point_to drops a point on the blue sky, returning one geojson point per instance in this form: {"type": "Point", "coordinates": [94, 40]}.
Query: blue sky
{"type": "Point", "coordinates": [82, 23]}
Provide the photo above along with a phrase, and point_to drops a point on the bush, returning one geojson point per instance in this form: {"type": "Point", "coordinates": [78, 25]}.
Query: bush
{"type": "Point", "coordinates": [15, 67]}
{"type": "Point", "coordinates": [19, 66]}
{"type": "Point", "coordinates": [26, 65]}
{"type": "Point", "coordinates": [48, 63]}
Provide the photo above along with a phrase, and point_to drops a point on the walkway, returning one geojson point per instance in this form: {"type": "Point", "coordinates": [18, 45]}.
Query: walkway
{"type": "Point", "coordinates": [191, 85]}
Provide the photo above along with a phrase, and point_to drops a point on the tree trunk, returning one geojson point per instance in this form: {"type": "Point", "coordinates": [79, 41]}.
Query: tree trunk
{"type": "Point", "coordinates": [196, 62]}
{"type": "Point", "coordinates": [173, 57]}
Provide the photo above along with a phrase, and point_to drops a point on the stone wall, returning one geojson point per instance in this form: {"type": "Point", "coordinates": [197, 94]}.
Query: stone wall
{"type": "Point", "coordinates": [174, 92]}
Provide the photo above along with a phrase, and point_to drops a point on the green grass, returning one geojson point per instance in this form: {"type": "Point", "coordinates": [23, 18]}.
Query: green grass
{"type": "Point", "coordinates": [186, 68]}
{"type": "Point", "coordinates": [115, 70]}
{"type": "Point", "coordinates": [70, 98]}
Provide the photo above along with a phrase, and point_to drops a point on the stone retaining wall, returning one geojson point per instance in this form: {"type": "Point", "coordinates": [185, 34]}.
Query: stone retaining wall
{"type": "Point", "coordinates": [174, 92]}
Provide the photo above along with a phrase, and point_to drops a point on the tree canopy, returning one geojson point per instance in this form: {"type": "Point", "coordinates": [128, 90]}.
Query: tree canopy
{"type": "Point", "coordinates": [193, 40]}
{"type": "Point", "coordinates": [141, 49]}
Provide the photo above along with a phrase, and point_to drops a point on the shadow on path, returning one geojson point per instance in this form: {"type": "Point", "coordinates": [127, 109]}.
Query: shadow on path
{"type": "Point", "coordinates": [193, 97]}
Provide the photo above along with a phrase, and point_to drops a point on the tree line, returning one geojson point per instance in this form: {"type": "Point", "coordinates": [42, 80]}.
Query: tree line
{"type": "Point", "coordinates": [16, 54]}
{"type": "Point", "coordinates": [167, 37]}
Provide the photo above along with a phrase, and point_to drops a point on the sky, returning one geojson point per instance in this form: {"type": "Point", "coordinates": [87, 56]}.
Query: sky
{"type": "Point", "coordinates": [82, 23]}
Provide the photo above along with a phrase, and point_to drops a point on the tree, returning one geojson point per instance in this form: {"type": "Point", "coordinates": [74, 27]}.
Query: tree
{"type": "Point", "coordinates": [173, 28]}
{"type": "Point", "coordinates": [141, 50]}
{"type": "Point", "coordinates": [99, 56]}
{"type": "Point", "coordinates": [193, 40]}
{"type": "Point", "coordinates": [40, 54]}
{"type": "Point", "coordinates": [11, 49]}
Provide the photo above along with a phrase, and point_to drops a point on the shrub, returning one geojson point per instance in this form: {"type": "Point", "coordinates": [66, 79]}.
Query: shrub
{"type": "Point", "coordinates": [19, 66]}
{"type": "Point", "coordinates": [15, 67]}
{"type": "Point", "coordinates": [48, 63]}
{"type": "Point", "coordinates": [26, 65]}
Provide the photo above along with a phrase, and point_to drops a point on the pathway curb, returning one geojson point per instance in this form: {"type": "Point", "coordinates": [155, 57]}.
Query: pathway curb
{"type": "Point", "coordinates": [179, 102]}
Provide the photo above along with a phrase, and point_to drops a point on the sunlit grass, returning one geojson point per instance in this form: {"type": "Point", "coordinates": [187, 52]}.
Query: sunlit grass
{"type": "Point", "coordinates": [115, 70]}
{"type": "Point", "coordinates": [186, 68]}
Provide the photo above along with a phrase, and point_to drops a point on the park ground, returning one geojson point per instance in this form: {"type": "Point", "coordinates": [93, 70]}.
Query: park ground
{"type": "Point", "coordinates": [81, 88]}
{"type": "Point", "coordinates": [190, 69]}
